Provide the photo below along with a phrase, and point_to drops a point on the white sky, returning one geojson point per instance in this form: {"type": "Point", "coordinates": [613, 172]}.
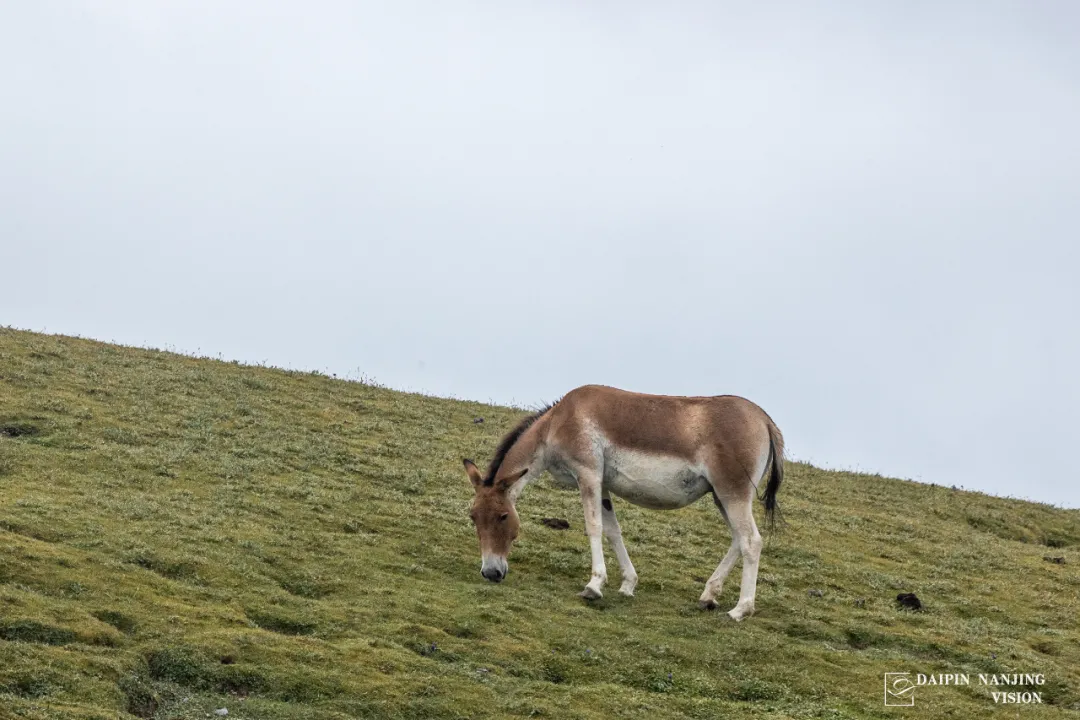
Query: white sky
{"type": "Point", "coordinates": [864, 216]}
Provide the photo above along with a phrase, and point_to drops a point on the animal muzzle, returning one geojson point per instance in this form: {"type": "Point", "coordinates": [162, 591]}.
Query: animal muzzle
{"type": "Point", "coordinates": [494, 568]}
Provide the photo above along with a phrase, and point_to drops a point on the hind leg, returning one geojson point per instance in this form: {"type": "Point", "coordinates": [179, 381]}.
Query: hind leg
{"type": "Point", "coordinates": [715, 583]}
{"type": "Point", "coordinates": [745, 535]}
{"type": "Point", "coordinates": [731, 476]}
{"type": "Point", "coordinates": [614, 536]}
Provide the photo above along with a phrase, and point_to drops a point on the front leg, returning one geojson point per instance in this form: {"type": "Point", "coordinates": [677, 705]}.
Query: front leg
{"type": "Point", "coordinates": [589, 483]}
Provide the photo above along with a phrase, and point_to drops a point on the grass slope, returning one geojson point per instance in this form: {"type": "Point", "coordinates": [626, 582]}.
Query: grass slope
{"type": "Point", "coordinates": [179, 535]}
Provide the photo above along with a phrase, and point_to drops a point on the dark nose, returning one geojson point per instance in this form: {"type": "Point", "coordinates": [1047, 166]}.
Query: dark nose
{"type": "Point", "coordinates": [492, 574]}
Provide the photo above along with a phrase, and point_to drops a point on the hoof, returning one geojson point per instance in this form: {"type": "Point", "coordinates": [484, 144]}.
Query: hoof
{"type": "Point", "coordinates": [707, 604]}
{"type": "Point", "coordinates": [590, 593]}
{"type": "Point", "coordinates": [627, 591]}
{"type": "Point", "coordinates": [738, 614]}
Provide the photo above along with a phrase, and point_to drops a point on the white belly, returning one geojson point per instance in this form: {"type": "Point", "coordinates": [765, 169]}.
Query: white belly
{"type": "Point", "coordinates": [658, 482]}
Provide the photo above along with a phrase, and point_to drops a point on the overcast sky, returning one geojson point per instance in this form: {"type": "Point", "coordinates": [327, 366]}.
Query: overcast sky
{"type": "Point", "coordinates": [864, 216]}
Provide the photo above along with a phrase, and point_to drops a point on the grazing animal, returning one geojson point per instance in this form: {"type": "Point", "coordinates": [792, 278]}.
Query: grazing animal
{"type": "Point", "coordinates": [657, 451]}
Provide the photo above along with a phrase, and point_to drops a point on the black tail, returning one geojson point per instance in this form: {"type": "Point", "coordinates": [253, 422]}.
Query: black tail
{"type": "Point", "coordinates": [776, 474]}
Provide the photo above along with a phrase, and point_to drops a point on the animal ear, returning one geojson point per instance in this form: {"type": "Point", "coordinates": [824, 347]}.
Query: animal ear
{"type": "Point", "coordinates": [474, 473]}
{"type": "Point", "coordinates": [509, 480]}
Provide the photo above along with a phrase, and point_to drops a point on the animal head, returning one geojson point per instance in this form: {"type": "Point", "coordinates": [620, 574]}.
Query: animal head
{"type": "Point", "coordinates": [495, 518]}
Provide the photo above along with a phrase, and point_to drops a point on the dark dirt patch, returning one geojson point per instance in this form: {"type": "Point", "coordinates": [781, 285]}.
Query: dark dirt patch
{"type": "Point", "coordinates": [556, 523]}
{"type": "Point", "coordinates": [909, 601]}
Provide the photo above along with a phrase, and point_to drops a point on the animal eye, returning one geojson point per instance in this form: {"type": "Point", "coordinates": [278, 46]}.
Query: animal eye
{"type": "Point", "coordinates": [503, 517]}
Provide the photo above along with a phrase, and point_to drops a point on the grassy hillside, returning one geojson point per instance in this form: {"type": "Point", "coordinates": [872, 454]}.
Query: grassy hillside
{"type": "Point", "coordinates": [179, 535]}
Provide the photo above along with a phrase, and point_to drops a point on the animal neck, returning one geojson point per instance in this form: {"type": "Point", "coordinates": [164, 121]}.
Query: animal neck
{"type": "Point", "coordinates": [527, 452]}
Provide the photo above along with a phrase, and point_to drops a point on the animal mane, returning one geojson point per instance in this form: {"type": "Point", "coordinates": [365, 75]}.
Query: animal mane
{"type": "Point", "coordinates": [508, 442]}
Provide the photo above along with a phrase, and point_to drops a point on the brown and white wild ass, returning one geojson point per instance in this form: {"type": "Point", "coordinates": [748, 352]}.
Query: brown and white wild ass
{"type": "Point", "coordinates": [657, 451]}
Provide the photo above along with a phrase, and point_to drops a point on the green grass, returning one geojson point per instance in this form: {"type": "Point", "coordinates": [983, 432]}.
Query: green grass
{"type": "Point", "coordinates": [179, 535]}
